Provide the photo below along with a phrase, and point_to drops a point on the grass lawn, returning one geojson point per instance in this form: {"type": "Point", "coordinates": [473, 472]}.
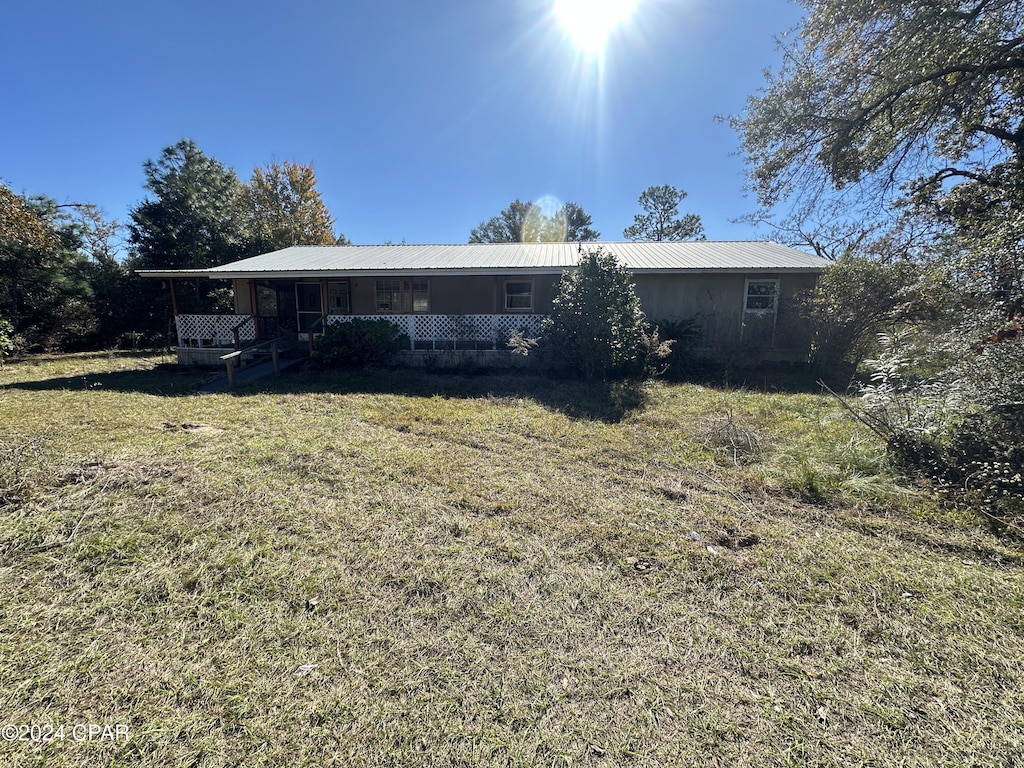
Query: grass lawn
{"type": "Point", "coordinates": [410, 569]}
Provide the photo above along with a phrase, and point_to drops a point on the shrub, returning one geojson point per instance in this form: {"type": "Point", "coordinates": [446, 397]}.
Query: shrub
{"type": "Point", "coordinates": [358, 343]}
{"type": "Point", "coordinates": [858, 298]}
{"type": "Point", "coordinates": [960, 428]}
{"type": "Point", "coordinates": [596, 327]}
{"type": "Point", "coordinates": [6, 339]}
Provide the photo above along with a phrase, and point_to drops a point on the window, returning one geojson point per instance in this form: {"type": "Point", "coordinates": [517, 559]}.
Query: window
{"type": "Point", "coordinates": [762, 296]}
{"type": "Point", "coordinates": [338, 302]}
{"type": "Point", "coordinates": [519, 296]}
{"type": "Point", "coordinates": [403, 295]}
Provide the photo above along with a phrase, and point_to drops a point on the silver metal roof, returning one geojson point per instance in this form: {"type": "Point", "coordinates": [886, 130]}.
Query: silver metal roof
{"type": "Point", "coordinates": [533, 258]}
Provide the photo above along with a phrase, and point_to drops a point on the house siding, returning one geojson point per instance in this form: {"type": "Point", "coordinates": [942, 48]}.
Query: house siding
{"type": "Point", "coordinates": [714, 302]}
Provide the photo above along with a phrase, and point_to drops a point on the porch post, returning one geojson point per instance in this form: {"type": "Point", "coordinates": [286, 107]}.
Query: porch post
{"type": "Point", "coordinates": [254, 307]}
{"type": "Point", "coordinates": [174, 298]}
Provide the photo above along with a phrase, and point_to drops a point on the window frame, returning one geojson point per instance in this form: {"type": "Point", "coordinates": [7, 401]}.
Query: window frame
{"type": "Point", "coordinates": [506, 295]}
{"type": "Point", "coordinates": [747, 296]}
{"type": "Point", "coordinates": [413, 295]}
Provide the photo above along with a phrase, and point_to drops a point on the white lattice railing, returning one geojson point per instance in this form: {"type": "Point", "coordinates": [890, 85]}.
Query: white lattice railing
{"type": "Point", "coordinates": [455, 331]}
{"type": "Point", "coordinates": [214, 330]}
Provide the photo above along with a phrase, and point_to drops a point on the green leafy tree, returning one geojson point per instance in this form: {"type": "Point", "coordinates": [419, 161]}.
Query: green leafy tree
{"type": "Point", "coordinates": [885, 99]}
{"type": "Point", "coordinates": [858, 298]}
{"type": "Point", "coordinates": [596, 326]}
{"type": "Point", "coordinates": [571, 224]}
{"type": "Point", "coordinates": [660, 220]}
{"type": "Point", "coordinates": [44, 288]}
{"type": "Point", "coordinates": [286, 208]}
{"type": "Point", "coordinates": [527, 223]}
{"type": "Point", "coordinates": [915, 111]}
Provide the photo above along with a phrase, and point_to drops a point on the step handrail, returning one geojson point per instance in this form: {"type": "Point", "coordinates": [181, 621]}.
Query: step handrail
{"type": "Point", "coordinates": [232, 359]}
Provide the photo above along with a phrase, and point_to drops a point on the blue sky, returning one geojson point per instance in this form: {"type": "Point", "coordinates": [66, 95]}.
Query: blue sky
{"type": "Point", "coordinates": [422, 117]}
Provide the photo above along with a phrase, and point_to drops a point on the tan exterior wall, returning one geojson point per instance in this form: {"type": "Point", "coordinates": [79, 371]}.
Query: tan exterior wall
{"type": "Point", "coordinates": [714, 302]}
{"type": "Point", "coordinates": [461, 295]}
{"type": "Point", "coordinates": [243, 297]}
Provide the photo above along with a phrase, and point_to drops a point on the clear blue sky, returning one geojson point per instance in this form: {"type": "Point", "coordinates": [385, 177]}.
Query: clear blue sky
{"type": "Point", "coordinates": [422, 117]}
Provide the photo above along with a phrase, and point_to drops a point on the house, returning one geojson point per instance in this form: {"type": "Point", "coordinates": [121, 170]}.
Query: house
{"type": "Point", "coordinates": [472, 297]}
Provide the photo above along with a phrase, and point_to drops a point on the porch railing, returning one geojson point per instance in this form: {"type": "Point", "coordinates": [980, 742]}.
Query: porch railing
{"type": "Point", "coordinates": [455, 331]}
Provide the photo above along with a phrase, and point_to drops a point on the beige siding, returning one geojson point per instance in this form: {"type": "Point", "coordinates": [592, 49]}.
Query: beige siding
{"type": "Point", "coordinates": [243, 297]}
{"type": "Point", "coordinates": [462, 295]}
{"type": "Point", "coordinates": [716, 304]}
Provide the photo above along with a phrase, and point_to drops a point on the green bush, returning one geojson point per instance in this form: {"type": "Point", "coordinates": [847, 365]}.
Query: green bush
{"type": "Point", "coordinates": [6, 339]}
{"type": "Point", "coordinates": [358, 343]}
{"type": "Point", "coordinates": [596, 328]}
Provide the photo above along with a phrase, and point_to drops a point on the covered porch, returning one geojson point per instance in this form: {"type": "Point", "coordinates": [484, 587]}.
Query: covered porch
{"type": "Point", "coordinates": [203, 339]}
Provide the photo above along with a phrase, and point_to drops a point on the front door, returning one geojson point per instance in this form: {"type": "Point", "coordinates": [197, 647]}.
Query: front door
{"type": "Point", "coordinates": [309, 309]}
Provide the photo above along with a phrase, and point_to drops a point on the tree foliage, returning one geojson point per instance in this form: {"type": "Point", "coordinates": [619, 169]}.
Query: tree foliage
{"type": "Point", "coordinates": [45, 293]}
{"type": "Point", "coordinates": [858, 298]}
{"type": "Point", "coordinates": [900, 98]}
{"type": "Point", "coordinates": [527, 223]}
{"type": "Point", "coordinates": [286, 208]}
{"type": "Point", "coordinates": [660, 220]}
{"type": "Point", "coordinates": [596, 326]}
{"type": "Point", "coordinates": [196, 216]}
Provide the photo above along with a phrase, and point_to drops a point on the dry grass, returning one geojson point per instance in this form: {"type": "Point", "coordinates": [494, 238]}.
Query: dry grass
{"type": "Point", "coordinates": [405, 569]}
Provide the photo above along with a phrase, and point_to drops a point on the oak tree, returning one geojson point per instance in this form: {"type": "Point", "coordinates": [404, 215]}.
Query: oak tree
{"type": "Point", "coordinates": [286, 208]}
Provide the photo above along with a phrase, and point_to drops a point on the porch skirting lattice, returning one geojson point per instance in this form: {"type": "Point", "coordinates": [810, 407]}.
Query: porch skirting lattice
{"type": "Point", "coordinates": [456, 331]}
{"type": "Point", "coordinates": [215, 330]}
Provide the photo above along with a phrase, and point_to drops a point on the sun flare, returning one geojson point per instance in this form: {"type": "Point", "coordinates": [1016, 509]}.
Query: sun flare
{"type": "Point", "coordinates": [590, 22]}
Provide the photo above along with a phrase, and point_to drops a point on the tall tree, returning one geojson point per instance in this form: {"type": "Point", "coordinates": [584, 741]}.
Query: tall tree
{"type": "Point", "coordinates": [916, 107]}
{"type": "Point", "coordinates": [287, 209]}
{"type": "Point", "coordinates": [574, 224]}
{"type": "Point", "coordinates": [45, 293]}
{"type": "Point", "coordinates": [527, 223]}
{"type": "Point", "coordinates": [892, 99]}
{"type": "Point", "coordinates": [196, 215]}
{"type": "Point", "coordinates": [659, 220]}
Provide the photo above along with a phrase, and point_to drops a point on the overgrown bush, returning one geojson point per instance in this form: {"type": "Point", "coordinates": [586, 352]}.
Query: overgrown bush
{"type": "Point", "coordinates": [962, 428]}
{"type": "Point", "coordinates": [857, 298]}
{"type": "Point", "coordinates": [681, 362]}
{"type": "Point", "coordinates": [358, 343]}
{"type": "Point", "coordinates": [596, 328]}
{"type": "Point", "coordinates": [6, 339]}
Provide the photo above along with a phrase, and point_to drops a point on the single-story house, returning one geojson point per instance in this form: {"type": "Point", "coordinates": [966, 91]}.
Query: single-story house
{"type": "Point", "coordinates": [473, 296]}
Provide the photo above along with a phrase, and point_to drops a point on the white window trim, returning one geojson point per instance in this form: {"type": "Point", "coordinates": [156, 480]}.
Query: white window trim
{"type": "Point", "coordinates": [519, 310]}
{"type": "Point", "coordinates": [775, 296]}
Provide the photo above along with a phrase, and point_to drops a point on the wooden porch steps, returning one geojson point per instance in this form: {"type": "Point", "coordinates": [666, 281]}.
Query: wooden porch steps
{"type": "Point", "coordinates": [249, 373]}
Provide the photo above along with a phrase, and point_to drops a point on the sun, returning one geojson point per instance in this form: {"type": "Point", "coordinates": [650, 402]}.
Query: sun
{"type": "Point", "coordinates": [590, 22]}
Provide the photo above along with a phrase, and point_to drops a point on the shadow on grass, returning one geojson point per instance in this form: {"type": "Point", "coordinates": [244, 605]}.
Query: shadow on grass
{"type": "Point", "coordinates": [595, 401]}
{"type": "Point", "coordinates": [592, 401]}
{"type": "Point", "coordinates": [601, 401]}
{"type": "Point", "coordinates": [167, 380]}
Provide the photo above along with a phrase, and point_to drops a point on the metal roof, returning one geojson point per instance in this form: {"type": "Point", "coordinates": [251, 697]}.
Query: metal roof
{"type": "Point", "coordinates": [533, 258]}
